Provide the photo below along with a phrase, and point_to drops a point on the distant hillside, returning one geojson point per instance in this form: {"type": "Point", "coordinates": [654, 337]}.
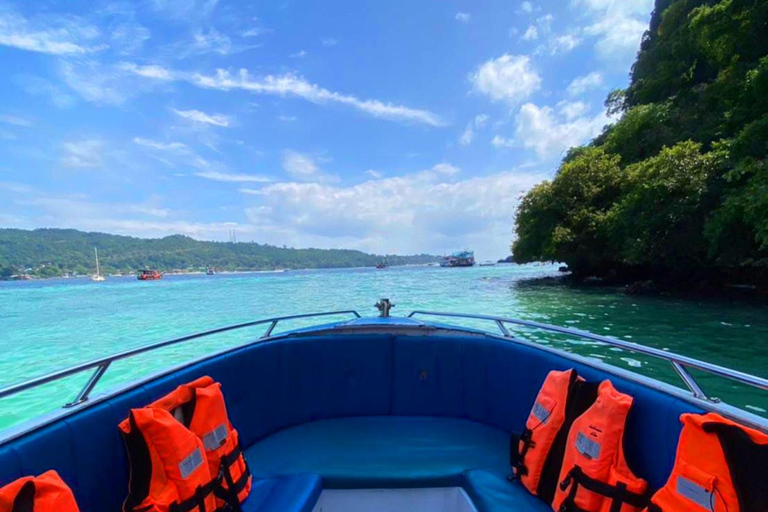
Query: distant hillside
{"type": "Point", "coordinates": [54, 252]}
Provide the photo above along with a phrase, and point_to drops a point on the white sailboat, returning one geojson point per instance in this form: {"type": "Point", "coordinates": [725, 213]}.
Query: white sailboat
{"type": "Point", "coordinates": [97, 276]}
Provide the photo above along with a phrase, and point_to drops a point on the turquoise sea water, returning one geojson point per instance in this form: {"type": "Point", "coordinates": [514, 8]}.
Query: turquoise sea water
{"type": "Point", "coordinates": [49, 325]}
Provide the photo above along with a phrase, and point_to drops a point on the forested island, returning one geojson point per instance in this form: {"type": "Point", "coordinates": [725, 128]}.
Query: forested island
{"type": "Point", "coordinates": [677, 189]}
{"type": "Point", "coordinates": [59, 252]}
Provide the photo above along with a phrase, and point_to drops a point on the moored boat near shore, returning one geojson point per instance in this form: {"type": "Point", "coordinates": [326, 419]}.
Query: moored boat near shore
{"type": "Point", "coordinates": [149, 275]}
{"type": "Point", "coordinates": [459, 259]}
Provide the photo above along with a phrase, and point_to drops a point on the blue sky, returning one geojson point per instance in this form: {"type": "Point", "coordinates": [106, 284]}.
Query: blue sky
{"type": "Point", "coordinates": [400, 126]}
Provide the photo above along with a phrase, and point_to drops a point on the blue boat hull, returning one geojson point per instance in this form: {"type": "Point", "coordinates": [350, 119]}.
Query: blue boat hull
{"type": "Point", "coordinates": [377, 406]}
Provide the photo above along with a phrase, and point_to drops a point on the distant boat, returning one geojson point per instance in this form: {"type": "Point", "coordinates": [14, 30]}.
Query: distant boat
{"type": "Point", "coordinates": [459, 259]}
{"type": "Point", "coordinates": [149, 275]}
{"type": "Point", "coordinates": [97, 276]}
{"type": "Point", "coordinates": [487, 264]}
{"type": "Point", "coordinates": [209, 271]}
{"type": "Point", "coordinates": [381, 264]}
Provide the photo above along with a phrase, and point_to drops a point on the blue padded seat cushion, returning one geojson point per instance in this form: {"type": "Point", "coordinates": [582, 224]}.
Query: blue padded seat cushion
{"type": "Point", "coordinates": [295, 493]}
{"type": "Point", "coordinates": [383, 451]}
{"type": "Point", "coordinates": [491, 492]}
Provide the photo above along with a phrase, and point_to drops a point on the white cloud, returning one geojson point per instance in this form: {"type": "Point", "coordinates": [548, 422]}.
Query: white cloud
{"type": "Point", "coordinates": [256, 30]}
{"type": "Point", "coordinates": [129, 37]}
{"type": "Point", "coordinates": [291, 85]}
{"type": "Point", "coordinates": [531, 34]}
{"type": "Point", "coordinates": [429, 211]}
{"type": "Point", "coordinates": [298, 55]}
{"type": "Point", "coordinates": [463, 17]}
{"type": "Point", "coordinates": [16, 120]}
{"type": "Point", "coordinates": [54, 35]}
{"type": "Point", "coordinates": [197, 116]}
{"type": "Point", "coordinates": [212, 41]}
{"type": "Point", "coordinates": [582, 84]}
{"type": "Point", "coordinates": [233, 177]}
{"type": "Point", "coordinates": [161, 146]}
{"type": "Point", "coordinates": [510, 78]}
{"type": "Point", "coordinates": [469, 132]}
{"type": "Point", "coordinates": [286, 118]}
{"type": "Point", "coordinates": [82, 154]}
{"type": "Point", "coordinates": [551, 133]}
{"type": "Point", "coordinates": [55, 94]}
{"type": "Point", "coordinates": [329, 41]}
{"type": "Point", "coordinates": [617, 25]}
{"type": "Point", "coordinates": [572, 110]}
{"type": "Point", "coordinates": [374, 174]}
{"type": "Point", "coordinates": [94, 82]}
{"type": "Point", "coordinates": [560, 44]}
{"type": "Point", "coordinates": [302, 167]}
{"type": "Point", "coordinates": [526, 7]}
{"type": "Point", "coordinates": [150, 71]}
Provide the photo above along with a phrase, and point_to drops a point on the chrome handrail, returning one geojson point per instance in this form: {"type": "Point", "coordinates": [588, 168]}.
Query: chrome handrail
{"type": "Point", "coordinates": [102, 365]}
{"type": "Point", "coordinates": [679, 363]}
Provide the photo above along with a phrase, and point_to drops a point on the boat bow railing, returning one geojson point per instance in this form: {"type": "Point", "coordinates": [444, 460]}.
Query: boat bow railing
{"type": "Point", "coordinates": [100, 366]}
{"type": "Point", "coordinates": [681, 364]}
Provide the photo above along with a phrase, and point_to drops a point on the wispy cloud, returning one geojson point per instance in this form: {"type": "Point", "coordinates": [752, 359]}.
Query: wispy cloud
{"type": "Point", "coordinates": [477, 123]}
{"type": "Point", "coordinates": [584, 83]}
{"type": "Point", "coordinates": [288, 85]}
{"type": "Point", "coordinates": [233, 177]}
{"type": "Point", "coordinates": [329, 41]}
{"type": "Point", "coordinates": [301, 166]}
{"type": "Point", "coordinates": [54, 35]}
{"type": "Point", "coordinates": [197, 116]}
{"type": "Point", "coordinates": [149, 71]}
{"type": "Point", "coordinates": [16, 120]}
{"type": "Point", "coordinates": [82, 154]}
{"type": "Point", "coordinates": [298, 55]}
{"type": "Point", "coordinates": [96, 82]}
{"type": "Point", "coordinates": [161, 146]}
{"type": "Point", "coordinates": [463, 17]}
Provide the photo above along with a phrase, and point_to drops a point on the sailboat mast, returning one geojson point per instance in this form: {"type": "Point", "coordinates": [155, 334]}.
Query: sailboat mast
{"type": "Point", "coordinates": [96, 251]}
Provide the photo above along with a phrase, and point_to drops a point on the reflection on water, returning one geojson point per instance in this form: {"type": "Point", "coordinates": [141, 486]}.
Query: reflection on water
{"type": "Point", "coordinates": [49, 325]}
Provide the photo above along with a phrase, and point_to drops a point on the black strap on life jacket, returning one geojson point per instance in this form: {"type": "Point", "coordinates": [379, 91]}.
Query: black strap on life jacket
{"type": "Point", "coordinates": [25, 499]}
{"type": "Point", "coordinates": [747, 464]}
{"type": "Point", "coordinates": [517, 454]}
{"type": "Point", "coordinates": [618, 494]}
{"type": "Point", "coordinates": [230, 492]}
{"type": "Point", "coordinates": [198, 500]}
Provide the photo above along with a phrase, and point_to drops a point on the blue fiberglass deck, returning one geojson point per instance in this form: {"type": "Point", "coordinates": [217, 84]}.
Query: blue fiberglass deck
{"type": "Point", "coordinates": [368, 404]}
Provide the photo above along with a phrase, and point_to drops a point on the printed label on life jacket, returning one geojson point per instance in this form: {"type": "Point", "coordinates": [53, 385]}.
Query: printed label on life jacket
{"type": "Point", "coordinates": [696, 493]}
{"type": "Point", "coordinates": [587, 447]}
{"type": "Point", "coordinates": [190, 463]}
{"type": "Point", "coordinates": [540, 412]}
{"type": "Point", "coordinates": [215, 438]}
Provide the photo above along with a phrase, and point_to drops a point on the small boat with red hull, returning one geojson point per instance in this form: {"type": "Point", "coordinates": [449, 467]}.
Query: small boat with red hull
{"type": "Point", "coordinates": [149, 275]}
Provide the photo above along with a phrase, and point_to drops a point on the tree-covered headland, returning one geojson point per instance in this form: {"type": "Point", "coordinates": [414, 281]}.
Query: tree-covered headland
{"type": "Point", "coordinates": [677, 189]}
{"type": "Point", "coordinates": [56, 252]}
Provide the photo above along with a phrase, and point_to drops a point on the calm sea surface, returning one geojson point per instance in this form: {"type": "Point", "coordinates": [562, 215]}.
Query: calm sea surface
{"type": "Point", "coordinates": [49, 325]}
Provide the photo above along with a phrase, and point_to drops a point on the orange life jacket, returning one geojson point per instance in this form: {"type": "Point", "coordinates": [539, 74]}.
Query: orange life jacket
{"type": "Point", "coordinates": [720, 466]}
{"type": "Point", "coordinates": [538, 452]}
{"type": "Point", "coordinates": [44, 493]}
{"type": "Point", "coordinates": [184, 454]}
{"type": "Point", "coordinates": [595, 476]}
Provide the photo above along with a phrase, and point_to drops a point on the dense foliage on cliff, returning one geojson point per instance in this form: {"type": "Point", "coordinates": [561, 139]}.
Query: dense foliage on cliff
{"type": "Point", "coordinates": [678, 186]}
{"type": "Point", "coordinates": [53, 252]}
